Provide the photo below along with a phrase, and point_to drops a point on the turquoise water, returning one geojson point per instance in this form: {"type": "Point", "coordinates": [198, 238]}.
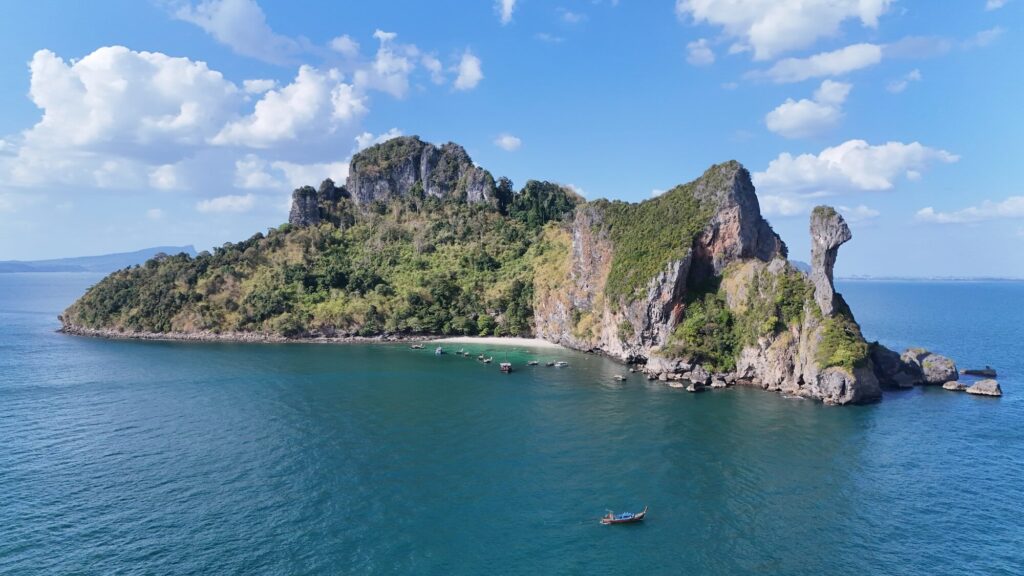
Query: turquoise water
{"type": "Point", "coordinates": [168, 458]}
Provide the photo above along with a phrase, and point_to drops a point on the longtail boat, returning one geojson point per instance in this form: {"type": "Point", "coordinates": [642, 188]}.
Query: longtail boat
{"type": "Point", "coordinates": [624, 517]}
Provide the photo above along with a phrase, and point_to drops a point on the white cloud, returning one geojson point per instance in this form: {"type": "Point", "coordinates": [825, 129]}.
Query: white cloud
{"type": "Point", "coordinates": [897, 86]}
{"type": "Point", "coordinates": [984, 38]}
{"type": "Point", "coordinates": [860, 213]}
{"type": "Point", "coordinates": [508, 142]}
{"type": "Point", "coordinates": [570, 17]}
{"type": "Point", "coordinates": [781, 204]}
{"type": "Point", "coordinates": [773, 27]}
{"type": "Point", "coordinates": [549, 38]}
{"type": "Point", "coordinates": [389, 72]}
{"type": "Point", "coordinates": [165, 177]}
{"type": "Point", "coordinates": [118, 95]}
{"type": "Point", "coordinates": [258, 86]}
{"type": "Point", "coordinates": [806, 118]}
{"type": "Point", "coordinates": [229, 203]}
{"type": "Point", "coordinates": [1010, 208]}
{"type": "Point", "coordinates": [154, 214]}
{"type": "Point", "coordinates": [433, 65]}
{"type": "Point", "coordinates": [504, 8]}
{"type": "Point", "coordinates": [253, 172]}
{"type": "Point", "coordinates": [699, 53]}
{"type": "Point", "coordinates": [994, 4]}
{"type": "Point", "coordinates": [851, 166]}
{"type": "Point", "coordinates": [657, 192]}
{"type": "Point", "coordinates": [470, 72]}
{"type": "Point", "coordinates": [242, 26]}
{"type": "Point", "coordinates": [310, 103]}
{"type": "Point", "coordinates": [345, 45]}
{"type": "Point", "coordinates": [298, 175]}
{"type": "Point", "coordinates": [835, 63]}
{"type": "Point", "coordinates": [367, 139]}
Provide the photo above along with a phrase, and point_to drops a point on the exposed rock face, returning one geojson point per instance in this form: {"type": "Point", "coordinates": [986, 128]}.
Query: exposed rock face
{"type": "Point", "coordinates": [305, 207]}
{"type": "Point", "coordinates": [954, 386]}
{"type": "Point", "coordinates": [828, 232]}
{"type": "Point", "coordinates": [580, 316]}
{"type": "Point", "coordinates": [407, 165]}
{"type": "Point", "coordinates": [985, 388]}
{"type": "Point", "coordinates": [736, 230]}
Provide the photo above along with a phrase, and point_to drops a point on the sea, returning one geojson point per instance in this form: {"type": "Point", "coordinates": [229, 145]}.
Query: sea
{"type": "Point", "coordinates": [124, 457]}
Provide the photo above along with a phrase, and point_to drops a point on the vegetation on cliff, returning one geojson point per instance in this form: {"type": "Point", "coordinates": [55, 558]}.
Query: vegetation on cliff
{"type": "Point", "coordinates": [412, 265]}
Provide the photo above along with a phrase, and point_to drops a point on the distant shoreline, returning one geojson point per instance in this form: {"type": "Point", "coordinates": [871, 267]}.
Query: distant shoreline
{"type": "Point", "coordinates": [498, 341]}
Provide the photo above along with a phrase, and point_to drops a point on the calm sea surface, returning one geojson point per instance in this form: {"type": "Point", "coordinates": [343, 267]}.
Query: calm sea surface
{"type": "Point", "coordinates": [167, 458]}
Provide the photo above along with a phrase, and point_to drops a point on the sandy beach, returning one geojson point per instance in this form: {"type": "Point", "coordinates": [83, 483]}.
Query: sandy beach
{"type": "Point", "coordinates": [498, 341]}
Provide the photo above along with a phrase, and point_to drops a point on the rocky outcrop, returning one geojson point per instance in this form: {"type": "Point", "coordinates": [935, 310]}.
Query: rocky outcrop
{"type": "Point", "coordinates": [955, 386]}
{"type": "Point", "coordinates": [929, 368]}
{"type": "Point", "coordinates": [407, 165]}
{"type": "Point", "coordinates": [579, 314]}
{"type": "Point", "coordinates": [305, 209]}
{"type": "Point", "coordinates": [828, 232]}
{"type": "Point", "coordinates": [987, 387]}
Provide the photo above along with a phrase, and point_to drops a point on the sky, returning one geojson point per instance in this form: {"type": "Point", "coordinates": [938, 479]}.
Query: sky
{"type": "Point", "coordinates": [128, 124]}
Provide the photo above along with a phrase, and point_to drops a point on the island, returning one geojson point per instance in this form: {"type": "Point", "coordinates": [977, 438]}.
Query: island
{"type": "Point", "coordinates": [693, 285]}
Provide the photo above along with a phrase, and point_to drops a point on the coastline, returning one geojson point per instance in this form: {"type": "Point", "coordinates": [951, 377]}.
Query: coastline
{"type": "Point", "coordinates": [499, 341]}
{"type": "Point", "coordinates": [264, 338]}
{"type": "Point", "coordinates": [239, 337]}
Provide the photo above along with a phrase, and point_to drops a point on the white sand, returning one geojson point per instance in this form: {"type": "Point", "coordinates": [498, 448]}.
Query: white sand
{"type": "Point", "coordinates": [498, 341]}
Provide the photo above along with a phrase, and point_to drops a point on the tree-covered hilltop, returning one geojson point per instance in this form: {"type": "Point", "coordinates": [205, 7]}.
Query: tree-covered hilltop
{"type": "Point", "coordinates": [412, 265]}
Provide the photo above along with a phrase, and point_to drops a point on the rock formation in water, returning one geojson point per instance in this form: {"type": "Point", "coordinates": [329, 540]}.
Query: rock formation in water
{"type": "Point", "coordinates": [828, 232]}
{"type": "Point", "coordinates": [693, 286]}
{"type": "Point", "coordinates": [987, 387]}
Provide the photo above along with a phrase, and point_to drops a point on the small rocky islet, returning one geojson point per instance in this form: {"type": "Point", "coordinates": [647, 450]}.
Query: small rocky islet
{"type": "Point", "coordinates": [692, 286]}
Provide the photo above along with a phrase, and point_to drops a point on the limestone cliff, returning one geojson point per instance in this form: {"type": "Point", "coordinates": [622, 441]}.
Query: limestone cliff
{"type": "Point", "coordinates": [406, 165]}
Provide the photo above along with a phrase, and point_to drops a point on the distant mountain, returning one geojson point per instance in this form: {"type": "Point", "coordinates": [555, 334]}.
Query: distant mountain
{"type": "Point", "coordinates": [102, 263]}
{"type": "Point", "coordinates": [801, 266]}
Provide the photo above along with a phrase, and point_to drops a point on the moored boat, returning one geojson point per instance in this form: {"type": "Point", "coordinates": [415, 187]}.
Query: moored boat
{"type": "Point", "coordinates": [438, 351]}
{"type": "Point", "coordinates": [560, 364]}
{"type": "Point", "coordinates": [624, 517]}
{"type": "Point", "coordinates": [506, 367]}
{"type": "Point", "coordinates": [619, 377]}
{"type": "Point", "coordinates": [417, 346]}
{"type": "Point", "coordinates": [532, 363]}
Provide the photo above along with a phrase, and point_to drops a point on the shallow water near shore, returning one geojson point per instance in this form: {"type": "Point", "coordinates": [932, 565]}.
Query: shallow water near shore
{"type": "Point", "coordinates": [215, 458]}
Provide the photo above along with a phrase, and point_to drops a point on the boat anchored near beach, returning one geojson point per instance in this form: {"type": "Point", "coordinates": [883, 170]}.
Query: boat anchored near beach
{"type": "Point", "coordinates": [506, 367]}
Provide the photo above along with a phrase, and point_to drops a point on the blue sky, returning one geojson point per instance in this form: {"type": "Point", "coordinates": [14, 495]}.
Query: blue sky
{"type": "Point", "coordinates": [127, 124]}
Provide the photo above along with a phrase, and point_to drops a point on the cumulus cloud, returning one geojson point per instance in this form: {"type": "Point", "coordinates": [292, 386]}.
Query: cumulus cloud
{"type": "Point", "coordinates": [772, 27]}
{"type": "Point", "coordinates": [229, 203]}
{"type": "Point", "coordinates": [508, 142]}
{"type": "Point", "coordinates": [312, 102]}
{"type": "Point", "coordinates": [242, 26]}
{"type": "Point", "coordinates": [504, 8]}
{"type": "Point", "coordinates": [391, 67]}
{"type": "Point", "coordinates": [154, 214]}
{"type": "Point", "coordinates": [984, 38]}
{"type": "Point", "coordinates": [1010, 208]}
{"type": "Point", "coordinates": [806, 118]}
{"type": "Point", "coordinates": [851, 166]}
{"type": "Point", "coordinates": [313, 174]}
{"type": "Point", "coordinates": [781, 204]}
{"type": "Point", "coordinates": [900, 84]}
{"type": "Point", "coordinates": [345, 45]}
{"type": "Point", "coordinates": [470, 72]}
{"type": "Point", "coordinates": [860, 213]}
{"type": "Point", "coordinates": [165, 177]}
{"type": "Point", "coordinates": [258, 86]}
{"type": "Point", "coordinates": [699, 53]}
{"type": "Point", "coordinates": [994, 4]}
{"type": "Point", "coordinates": [835, 63]}
{"type": "Point", "coordinates": [367, 139]}
{"type": "Point", "coordinates": [434, 66]}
